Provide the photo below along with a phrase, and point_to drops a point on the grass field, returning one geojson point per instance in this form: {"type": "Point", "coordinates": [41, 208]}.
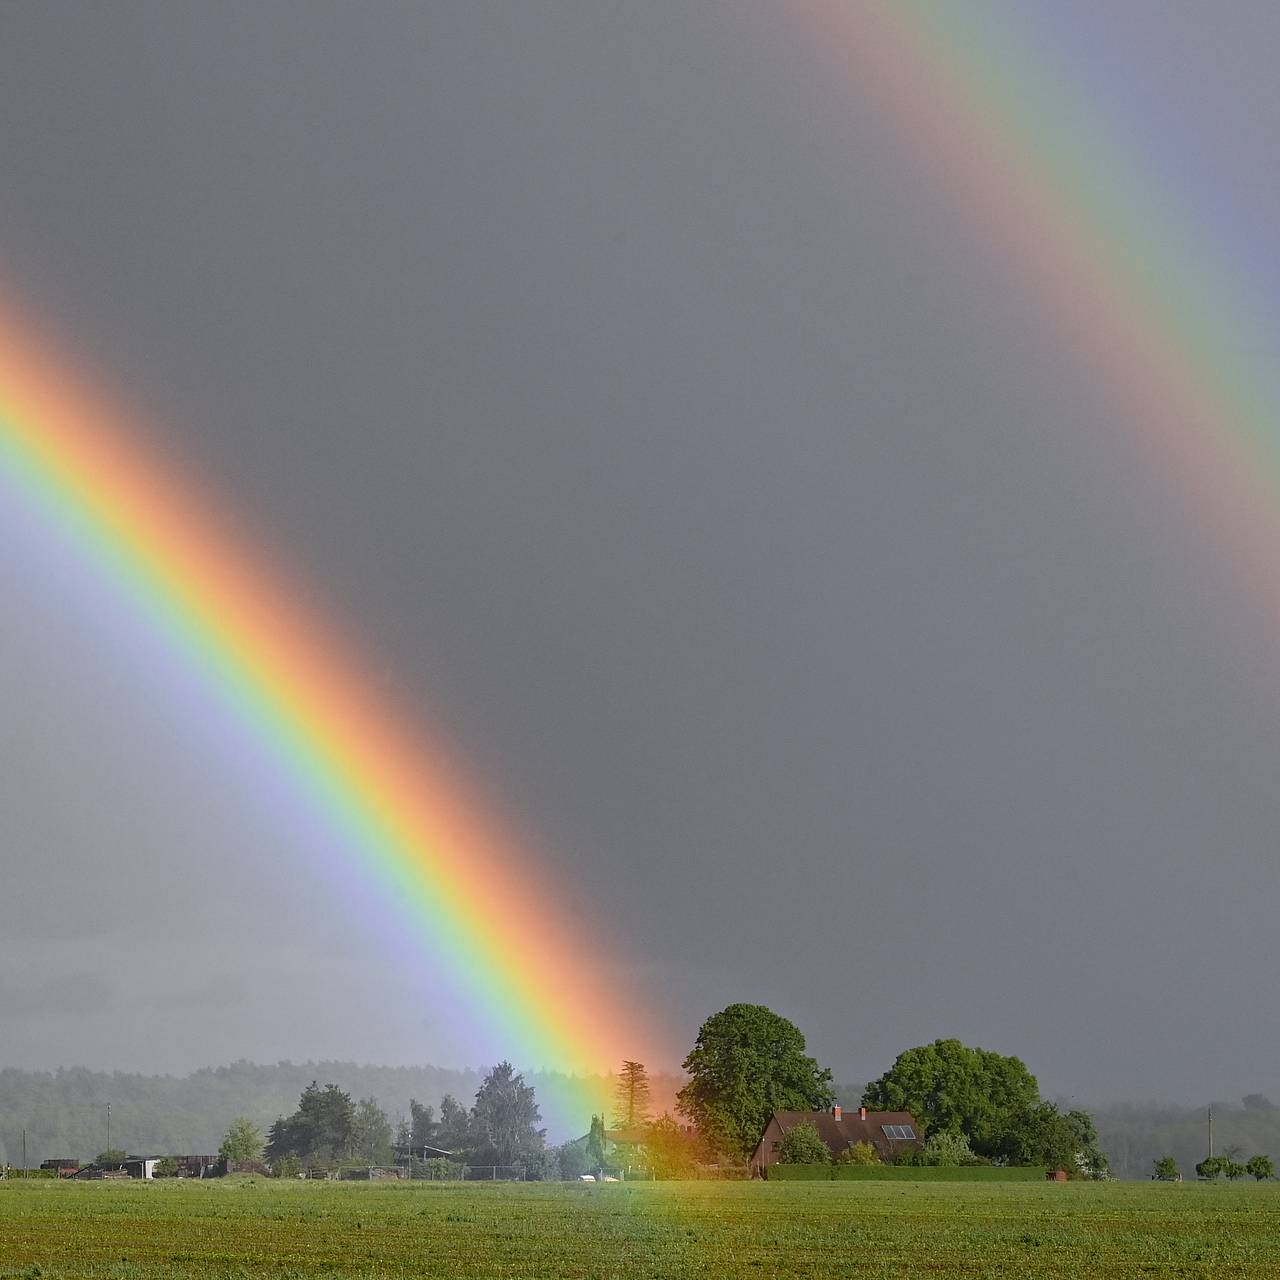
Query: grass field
{"type": "Point", "coordinates": [229, 1228]}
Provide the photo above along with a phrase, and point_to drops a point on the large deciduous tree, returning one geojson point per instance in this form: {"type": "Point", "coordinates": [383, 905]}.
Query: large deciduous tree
{"type": "Point", "coordinates": [370, 1133]}
{"type": "Point", "coordinates": [242, 1142]}
{"type": "Point", "coordinates": [948, 1086]}
{"type": "Point", "coordinates": [990, 1099]}
{"type": "Point", "coordinates": [747, 1063]}
{"type": "Point", "coordinates": [505, 1118]}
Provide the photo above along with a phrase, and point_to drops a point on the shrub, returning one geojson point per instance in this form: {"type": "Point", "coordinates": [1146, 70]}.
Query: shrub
{"type": "Point", "coordinates": [802, 1145]}
{"type": "Point", "coordinates": [860, 1153]}
{"type": "Point", "coordinates": [948, 1150]}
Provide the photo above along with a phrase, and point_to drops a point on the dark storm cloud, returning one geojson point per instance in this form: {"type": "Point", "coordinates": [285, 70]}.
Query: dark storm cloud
{"type": "Point", "coordinates": [602, 368]}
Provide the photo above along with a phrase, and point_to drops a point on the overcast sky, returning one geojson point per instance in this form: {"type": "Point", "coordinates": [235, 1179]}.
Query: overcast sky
{"type": "Point", "coordinates": [662, 439]}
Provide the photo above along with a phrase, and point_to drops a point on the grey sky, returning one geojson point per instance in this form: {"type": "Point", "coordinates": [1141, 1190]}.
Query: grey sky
{"type": "Point", "coordinates": [603, 371]}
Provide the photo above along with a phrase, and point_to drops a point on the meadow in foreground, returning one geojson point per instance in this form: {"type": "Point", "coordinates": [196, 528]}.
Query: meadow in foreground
{"type": "Point", "coordinates": [237, 1228]}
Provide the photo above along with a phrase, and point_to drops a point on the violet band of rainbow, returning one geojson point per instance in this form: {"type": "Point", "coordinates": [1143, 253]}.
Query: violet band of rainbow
{"type": "Point", "coordinates": [400, 808]}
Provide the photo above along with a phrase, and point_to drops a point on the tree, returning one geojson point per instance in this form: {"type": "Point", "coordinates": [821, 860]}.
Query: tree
{"type": "Point", "coordinates": [1260, 1167]}
{"type": "Point", "coordinates": [422, 1124]}
{"type": "Point", "coordinates": [859, 1153]}
{"type": "Point", "coordinates": [1210, 1168]}
{"type": "Point", "coordinates": [1089, 1157]}
{"type": "Point", "coordinates": [453, 1133]}
{"type": "Point", "coordinates": [631, 1097]}
{"type": "Point", "coordinates": [993, 1101]}
{"type": "Point", "coordinates": [370, 1133]}
{"type": "Point", "coordinates": [111, 1158]}
{"type": "Point", "coordinates": [1233, 1169]}
{"type": "Point", "coordinates": [802, 1145]}
{"type": "Point", "coordinates": [165, 1167]}
{"type": "Point", "coordinates": [242, 1142]}
{"type": "Point", "coordinates": [1257, 1102]}
{"type": "Point", "coordinates": [1166, 1170]}
{"type": "Point", "coordinates": [947, 1085]}
{"type": "Point", "coordinates": [746, 1064]}
{"type": "Point", "coordinates": [597, 1145]}
{"type": "Point", "coordinates": [672, 1152]}
{"type": "Point", "coordinates": [1043, 1135]}
{"type": "Point", "coordinates": [572, 1160]}
{"type": "Point", "coordinates": [320, 1129]}
{"type": "Point", "coordinates": [505, 1117]}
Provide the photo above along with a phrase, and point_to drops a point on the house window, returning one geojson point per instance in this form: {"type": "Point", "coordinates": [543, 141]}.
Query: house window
{"type": "Point", "coordinates": [777, 1146]}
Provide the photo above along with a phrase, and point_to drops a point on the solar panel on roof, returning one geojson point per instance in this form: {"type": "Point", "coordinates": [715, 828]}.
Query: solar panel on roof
{"type": "Point", "coordinates": [898, 1132]}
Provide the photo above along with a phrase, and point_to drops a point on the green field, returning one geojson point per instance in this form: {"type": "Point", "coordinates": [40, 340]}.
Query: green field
{"type": "Point", "coordinates": [823, 1229]}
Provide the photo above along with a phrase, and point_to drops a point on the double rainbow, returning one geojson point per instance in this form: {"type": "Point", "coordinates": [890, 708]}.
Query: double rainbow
{"type": "Point", "coordinates": [998, 137]}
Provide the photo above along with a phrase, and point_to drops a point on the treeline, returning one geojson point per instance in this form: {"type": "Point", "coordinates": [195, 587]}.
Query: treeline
{"type": "Point", "coordinates": [1136, 1135]}
{"type": "Point", "coordinates": [64, 1111]}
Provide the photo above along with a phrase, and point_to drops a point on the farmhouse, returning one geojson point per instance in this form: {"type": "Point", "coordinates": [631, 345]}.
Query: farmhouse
{"type": "Point", "coordinates": [887, 1131]}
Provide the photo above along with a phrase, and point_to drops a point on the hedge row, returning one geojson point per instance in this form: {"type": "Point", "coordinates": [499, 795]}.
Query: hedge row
{"type": "Point", "coordinates": [898, 1173]}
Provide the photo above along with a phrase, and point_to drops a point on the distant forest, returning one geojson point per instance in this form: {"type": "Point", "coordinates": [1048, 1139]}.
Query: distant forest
{"type": "Point", "coordinates": [64, 1112]}
{"type": "Point", "coordinates": [1135, 1135]}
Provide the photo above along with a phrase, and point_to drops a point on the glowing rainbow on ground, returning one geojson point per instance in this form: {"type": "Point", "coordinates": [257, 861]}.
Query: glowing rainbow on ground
{"type": "Point", "coordinates": [1000, 139]}
{"type": "Point", "coordinates": [408, 819]}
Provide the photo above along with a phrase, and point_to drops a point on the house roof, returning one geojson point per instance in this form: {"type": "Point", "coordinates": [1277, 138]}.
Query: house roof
{"type": "Point", "coordinates": [428, 1152]}
{"type": "Point", "coordinates": [851, 1129]}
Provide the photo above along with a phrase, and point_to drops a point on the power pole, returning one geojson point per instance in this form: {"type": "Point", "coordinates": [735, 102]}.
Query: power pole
{"type": "Point", "coordinates": [108, 1126]}
{"type": "Point", "coordinates": [24, 1151]}
{"type": "Point", "coordinates": [1210, 1131]}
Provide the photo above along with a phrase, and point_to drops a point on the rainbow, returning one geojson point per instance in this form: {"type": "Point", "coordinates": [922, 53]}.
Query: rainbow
{"type": "Point", "coordinates": [408, 820]}
{"type": "Point", "coordinates": [1130, 294]}
{"type": "Point", "coordinates": [996, 134]}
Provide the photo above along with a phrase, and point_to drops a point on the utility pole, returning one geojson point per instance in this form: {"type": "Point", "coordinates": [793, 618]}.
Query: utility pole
{"type": "Point", "coordinates": [24, 1151]}
{"type": "Point", "coordinates": [108, 1126]}
{"type": "Point", "coordinates": [1210, 1131]}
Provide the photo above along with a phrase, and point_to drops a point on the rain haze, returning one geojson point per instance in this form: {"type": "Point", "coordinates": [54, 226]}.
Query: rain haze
{"type": "Point", "coordinates": [666, 444]}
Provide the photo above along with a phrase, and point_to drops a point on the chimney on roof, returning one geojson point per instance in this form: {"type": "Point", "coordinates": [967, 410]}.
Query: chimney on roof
{"type": "Point", "coordinates": [835, 1111]}
{"type": "Point", "coordinates": [862, 1113]}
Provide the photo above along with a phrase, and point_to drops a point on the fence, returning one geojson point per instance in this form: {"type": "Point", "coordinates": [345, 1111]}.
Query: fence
{"type": "Point", "coordinates": [493, 1173]}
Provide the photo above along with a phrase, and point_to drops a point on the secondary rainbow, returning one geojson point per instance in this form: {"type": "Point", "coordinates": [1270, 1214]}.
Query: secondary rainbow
{"type": "Point", "coordinates": [409, 820]}
{"type": "Point", "coordinates": [1128, 290]}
